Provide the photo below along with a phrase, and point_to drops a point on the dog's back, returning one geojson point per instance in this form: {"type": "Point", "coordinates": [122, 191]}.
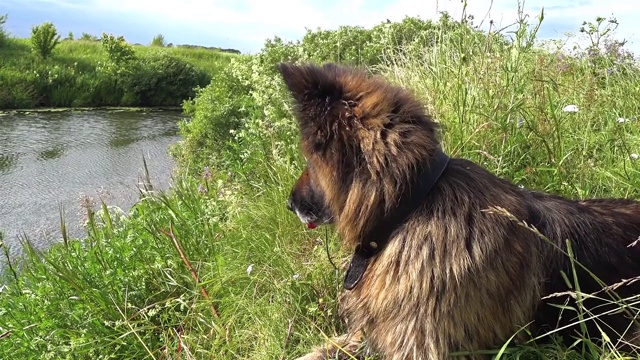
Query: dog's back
{"type": "Point", "coordinates": [599, 275]}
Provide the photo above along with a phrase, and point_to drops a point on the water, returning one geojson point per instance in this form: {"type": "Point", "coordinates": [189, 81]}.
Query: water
{"type": "Point", "coordinates": [48, 160]}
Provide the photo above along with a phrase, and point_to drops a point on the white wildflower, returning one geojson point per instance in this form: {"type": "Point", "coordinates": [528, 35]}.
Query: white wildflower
{"type": "Point", "coordinates": [570, 108]}
{"type": "Point", "coordinates": [296, 276]}
{"type": "Point", "coordinates": [622, 120]}
{"type": "Point", "coordinates": [249, 269]}
{"type": "Point", "coordinates": [634, 156]}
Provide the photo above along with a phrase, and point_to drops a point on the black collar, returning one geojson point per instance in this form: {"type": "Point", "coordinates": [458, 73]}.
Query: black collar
{"type": "Point", "coordinates": [376, 239]}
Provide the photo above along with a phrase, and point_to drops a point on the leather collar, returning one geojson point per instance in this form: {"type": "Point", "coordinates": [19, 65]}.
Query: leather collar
{"type": "Point", "coordinates": [376, 239]}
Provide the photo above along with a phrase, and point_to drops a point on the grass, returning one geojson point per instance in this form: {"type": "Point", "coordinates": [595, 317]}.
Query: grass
{"type": "Point", "coordinates": [74, 76]}
{"type": "Point", "coordinates": [87, 54]}
{"type": "Point", "coordinates": [125, 292]}
{"type": "Point", "coordinates": [510, 118]}
{"type": "Point", "coordinates": [219, 269]}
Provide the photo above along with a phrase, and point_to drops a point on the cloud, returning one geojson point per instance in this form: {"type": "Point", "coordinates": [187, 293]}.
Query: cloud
{"type": "Point", "coordinates": [560, 17]}
{"type": "Point", "coordinates": [251, 22]}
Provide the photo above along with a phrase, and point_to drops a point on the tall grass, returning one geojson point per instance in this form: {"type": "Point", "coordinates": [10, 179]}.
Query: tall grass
{"type": "Point", "coordinates": [502, 106]}
{"type": "Point", "coordinates": [219, 269]}
{"type": "Point", "coordinates": [125, 291]}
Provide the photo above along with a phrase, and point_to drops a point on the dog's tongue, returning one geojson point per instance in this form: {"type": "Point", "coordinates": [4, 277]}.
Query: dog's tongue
{"type": "Point", "coordinates": [311, 226]}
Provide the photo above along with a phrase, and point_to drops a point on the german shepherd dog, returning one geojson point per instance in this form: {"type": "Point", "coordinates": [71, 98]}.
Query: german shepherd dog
{"type": "Point", "coordinates": [448, 259]}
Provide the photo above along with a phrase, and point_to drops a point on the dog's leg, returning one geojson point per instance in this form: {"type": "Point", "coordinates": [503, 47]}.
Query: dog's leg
{"type": "Point", "coordinates": [346, 346]}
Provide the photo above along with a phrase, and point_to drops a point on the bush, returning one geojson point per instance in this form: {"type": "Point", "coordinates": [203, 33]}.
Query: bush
{"type": "Point", "coordinates": [216, 113]}
{"type": "Point", "coordinates": [44, 38]}
{"type": "Point", "coordinates": [161, 80]}
{"type": "Point", "coordinates": [117, 48]}
{"type": "Point", "coordinates": [17, 90]}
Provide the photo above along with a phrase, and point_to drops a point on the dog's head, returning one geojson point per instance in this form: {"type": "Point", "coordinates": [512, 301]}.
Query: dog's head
{"type": "Point", "coordinates": [363, 139]}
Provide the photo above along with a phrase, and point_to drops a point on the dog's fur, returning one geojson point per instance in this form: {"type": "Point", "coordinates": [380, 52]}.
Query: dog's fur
{"type": "Point", "coordinates": [461, 273]}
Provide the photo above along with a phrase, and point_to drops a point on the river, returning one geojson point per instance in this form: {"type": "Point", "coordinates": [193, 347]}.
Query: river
{"type": "Point", "coordinates": [74, 159]}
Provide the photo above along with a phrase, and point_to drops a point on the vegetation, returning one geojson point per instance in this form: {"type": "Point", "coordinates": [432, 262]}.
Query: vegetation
{"type": "Point", "coordinates": [3, 33]}
{"type": "Point", "coordinates": [219, 269]}
{"type": "Point", "coordinates": [158, 40]}
{"type": "Point", "coordinates": [88, 37]}
{"type": "Point", "coordinates": [118, 50]}
{"type": "Point", "coordinates": [88, 73]}
{"type": "Point", "coordinates": [44, 38]}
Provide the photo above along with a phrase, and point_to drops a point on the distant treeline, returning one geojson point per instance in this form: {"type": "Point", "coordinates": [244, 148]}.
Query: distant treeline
{"type": "Point", "coordinates": [233, 51]}
{"type": "Point", "coordinates": [158, 40]}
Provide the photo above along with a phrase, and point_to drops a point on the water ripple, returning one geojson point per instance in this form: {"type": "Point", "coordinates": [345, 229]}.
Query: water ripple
{"type": "Point", "coordinates": [53, 160]}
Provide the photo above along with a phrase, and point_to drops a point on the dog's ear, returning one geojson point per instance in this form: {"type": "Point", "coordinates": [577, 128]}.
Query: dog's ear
{"type": "Point", "coordinates": [310, 83]}
{"type": "Point", "coordinates": [319, 101]}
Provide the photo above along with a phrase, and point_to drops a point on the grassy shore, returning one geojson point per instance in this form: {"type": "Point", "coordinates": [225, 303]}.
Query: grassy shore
{"type": "Point", "coordinates": [219, 269]}
{"type": "Point", "coordinates": [78, 75]}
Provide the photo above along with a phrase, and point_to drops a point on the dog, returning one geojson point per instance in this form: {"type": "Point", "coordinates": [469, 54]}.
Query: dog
{"type": "Point", "coordinates": [448, 259]}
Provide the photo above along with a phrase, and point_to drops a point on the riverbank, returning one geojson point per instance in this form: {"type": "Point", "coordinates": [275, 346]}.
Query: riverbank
{"type": "Point", "coordinates": [103, 108]}
{"type": "Point", "coordinates": [79, 74]}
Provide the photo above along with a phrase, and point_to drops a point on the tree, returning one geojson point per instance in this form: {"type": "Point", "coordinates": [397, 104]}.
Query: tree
{"type": "Point", "coordinates": [158, 40]}
{"type": "Point", "coordinates": [3, 34]}
{"type": "Point", "coordinates": [44, 38]}
{"type": "Point", "coordinates": [88, 37]}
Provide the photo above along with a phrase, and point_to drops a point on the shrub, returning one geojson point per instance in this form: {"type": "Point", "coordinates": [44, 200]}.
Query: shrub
{"type": "Point", "coordinates": [216, 113]}
{"type": "Point", "coordinates": [160, 79]}
{"type": "Point", "coordinates": [117, 48]}
{"type": "Point", "coordinates": [17, 90]}
{"type": "Point", "coordinates": [44, 38]}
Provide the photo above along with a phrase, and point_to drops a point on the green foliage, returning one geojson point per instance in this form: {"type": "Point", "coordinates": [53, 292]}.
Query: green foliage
{"type": "Point", "coordinates": [117, 301]}
{"type": "Point", "coordinates": [81, 75]}
{"type": "Point", "coordinates": [500, 102]}
{"type": "Point", "coordinates": [18, 90]}
{"type": "Point", "coordinates": [69, 36]}
{"type": "Point", "coordinates": [248, 105]}
{"type": "Point", "coordinates": [125, 292]}
{"type": "Point", "coordinates": [606, 54]}
{"type": "Point", "coordinates": [44, 38]}
{"type": "Point", "coordinates": [215, 114]}
{"type": "Point", "coordinates": [159, 78]}
{"type": "Point", "coordinates": [3, 33]}
{"type": "Point", "coordinates": [599, 30]}
{"type": "Point", "coordinates": [88, 37]}
{"type": "Point", "coordinates": [159, 41]}
{"type": "Point", "coordinates": [119, 51]}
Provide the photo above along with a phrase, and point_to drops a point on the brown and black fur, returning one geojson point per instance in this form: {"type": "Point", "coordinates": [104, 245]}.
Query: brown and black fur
{"type": "Point", "coordinates": [461, 273]}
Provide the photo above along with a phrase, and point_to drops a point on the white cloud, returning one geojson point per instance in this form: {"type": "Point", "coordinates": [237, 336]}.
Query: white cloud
{"type": "Point", "coordinates": [253, 21]}
{"type": "Point", "coordinates": [560, 16]}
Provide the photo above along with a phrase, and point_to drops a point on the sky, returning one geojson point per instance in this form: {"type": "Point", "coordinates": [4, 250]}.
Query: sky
{"type": "Point", "coordinates": [246, 24]}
